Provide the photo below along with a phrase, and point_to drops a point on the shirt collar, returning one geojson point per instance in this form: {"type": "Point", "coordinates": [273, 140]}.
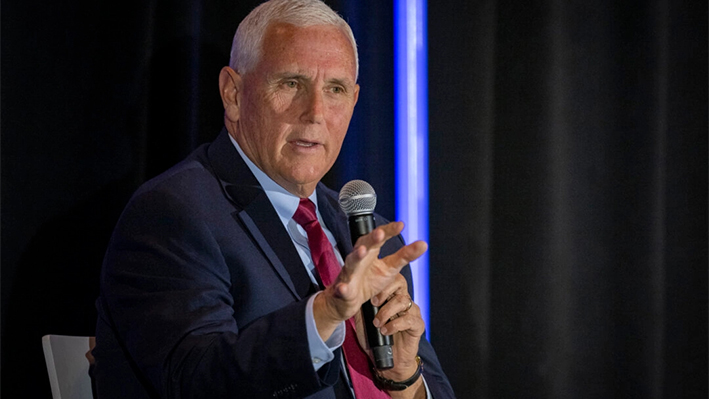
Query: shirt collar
{"type": "Point", "coordinates": [284, 202]}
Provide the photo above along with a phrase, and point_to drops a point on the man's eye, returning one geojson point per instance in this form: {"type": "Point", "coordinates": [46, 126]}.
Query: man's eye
{"type": "Point", "coordinates": [337, 90]}
{"type": "Point", "coordinates": [291, 84]}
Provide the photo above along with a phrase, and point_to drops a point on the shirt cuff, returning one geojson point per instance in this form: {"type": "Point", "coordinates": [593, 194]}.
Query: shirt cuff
{"type": "Point", "coordinates": [321, 352]}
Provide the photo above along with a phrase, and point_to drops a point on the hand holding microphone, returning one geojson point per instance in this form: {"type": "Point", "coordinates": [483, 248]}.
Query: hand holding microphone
{"type": "Point", "coordinates": [358, 200]}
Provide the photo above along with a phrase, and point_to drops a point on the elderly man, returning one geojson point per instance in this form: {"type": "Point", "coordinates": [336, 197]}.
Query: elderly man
{"type": "Point", "coordinates": [215, 283]}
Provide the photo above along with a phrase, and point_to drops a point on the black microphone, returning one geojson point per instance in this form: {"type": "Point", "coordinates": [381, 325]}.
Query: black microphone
{"type": "Point", "coordinates": [357, 200]}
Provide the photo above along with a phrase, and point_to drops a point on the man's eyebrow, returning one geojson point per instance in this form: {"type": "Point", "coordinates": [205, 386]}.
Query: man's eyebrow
{"type": "Point", "coordinates": [342, 82]}
{"type": "Point", "coordinates": [289, 75]}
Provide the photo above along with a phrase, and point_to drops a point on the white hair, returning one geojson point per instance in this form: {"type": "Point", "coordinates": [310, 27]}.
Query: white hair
{"type": "Point", "coordinates": [247, 44]}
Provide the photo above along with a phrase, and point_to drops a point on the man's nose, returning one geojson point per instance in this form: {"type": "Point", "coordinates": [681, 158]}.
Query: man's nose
{"type": "Point", "coordinates": [314, 107]}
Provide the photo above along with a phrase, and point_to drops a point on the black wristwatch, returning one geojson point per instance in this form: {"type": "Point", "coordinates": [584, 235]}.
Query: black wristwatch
{"type": "Point", "coordinates": [391, 385]}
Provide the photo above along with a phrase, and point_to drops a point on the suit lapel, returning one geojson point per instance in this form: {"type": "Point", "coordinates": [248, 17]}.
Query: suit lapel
{"type": "Point", "coordinates": [256, 213]}
{"type": "Point", "coordinates": [263, 223]}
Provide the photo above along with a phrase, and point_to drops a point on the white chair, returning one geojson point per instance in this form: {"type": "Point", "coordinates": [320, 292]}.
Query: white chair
{"type": "Point", "coordinates": [68, 359]}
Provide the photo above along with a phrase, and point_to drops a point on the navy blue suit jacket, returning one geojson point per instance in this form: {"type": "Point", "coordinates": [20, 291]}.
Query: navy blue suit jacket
{"type": "Point", "coordinates": [203, 293]}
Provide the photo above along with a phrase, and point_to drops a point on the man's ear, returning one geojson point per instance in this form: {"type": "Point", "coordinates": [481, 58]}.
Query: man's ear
{"type": "Point", "coordinates": [229, 89]}
{"type": "Point", "coordinates": [356, 94]}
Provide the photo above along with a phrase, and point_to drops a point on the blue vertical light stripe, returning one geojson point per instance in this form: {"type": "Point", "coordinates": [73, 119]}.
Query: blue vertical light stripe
{"type": "Point", "coordinates": [411, 125]}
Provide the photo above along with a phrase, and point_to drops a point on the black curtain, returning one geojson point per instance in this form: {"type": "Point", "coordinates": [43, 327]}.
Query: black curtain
{"type": "Point", "coordinates": [568, 145]}
{"type": "Point", "coordinates": [568, 181]}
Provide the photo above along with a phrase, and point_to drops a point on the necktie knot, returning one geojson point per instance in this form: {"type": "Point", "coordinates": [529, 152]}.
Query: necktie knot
{"type": "Point", "coordinates": [305, 214]}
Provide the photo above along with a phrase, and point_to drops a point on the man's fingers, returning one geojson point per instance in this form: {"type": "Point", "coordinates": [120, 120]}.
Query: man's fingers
{"type": "Point", "coordinates": [409, 322]}
{"type": "Point", "coordinates": [368, 246]}
{"type": "Point", "coordinates": [398, 286]}
{"type": "Point", "coordinates": [380, 235]}
{"type": "Point", "coordinates": [406, 255]}
{"type": "Point", "coordinates": [397, 306]}
{"type": "Point", "coordinates": [365, 275]}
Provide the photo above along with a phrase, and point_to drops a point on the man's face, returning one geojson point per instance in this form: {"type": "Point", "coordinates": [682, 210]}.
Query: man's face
{"type": "Point", "coordinates": [295, 105]}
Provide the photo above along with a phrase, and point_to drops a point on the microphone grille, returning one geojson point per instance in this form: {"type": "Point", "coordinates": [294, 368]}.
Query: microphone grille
{"type": "Point", "coordinates": [357, 197]}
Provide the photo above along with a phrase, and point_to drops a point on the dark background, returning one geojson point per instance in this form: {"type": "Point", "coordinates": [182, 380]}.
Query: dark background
{"type": "Point", "coordinates": [568, 176]}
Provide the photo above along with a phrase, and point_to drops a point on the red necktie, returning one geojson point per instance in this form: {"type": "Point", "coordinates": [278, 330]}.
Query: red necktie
{"type": "Point", "coordinates": [328, 268]}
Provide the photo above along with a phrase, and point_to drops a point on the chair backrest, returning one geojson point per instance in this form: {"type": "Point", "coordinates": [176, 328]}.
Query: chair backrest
{"type": "Point", "coordinates": [68, 359]}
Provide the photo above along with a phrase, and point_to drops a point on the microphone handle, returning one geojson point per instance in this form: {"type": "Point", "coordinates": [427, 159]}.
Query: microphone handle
{"type": "Point", "coordinates": [361, 225]}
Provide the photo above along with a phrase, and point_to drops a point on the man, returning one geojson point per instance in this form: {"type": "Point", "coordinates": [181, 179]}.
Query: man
{"type": "Point", "coordinates": [211, 286]}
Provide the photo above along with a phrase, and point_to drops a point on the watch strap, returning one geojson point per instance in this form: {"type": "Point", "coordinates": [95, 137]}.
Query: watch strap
{"type": "Point", "coordinates": [391, 385]}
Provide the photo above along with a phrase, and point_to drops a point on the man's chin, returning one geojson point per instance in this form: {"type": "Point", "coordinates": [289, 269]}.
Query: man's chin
{"type": "Point", "coordinates": [300, 187]}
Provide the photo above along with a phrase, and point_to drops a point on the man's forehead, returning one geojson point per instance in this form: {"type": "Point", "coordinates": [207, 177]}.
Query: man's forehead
{"type": "Point", "coordinates": [285, 28]}
{"type": "Point", "coordinates": [283, 33]}
{"type": "Point", "coordinates": [289, 49]}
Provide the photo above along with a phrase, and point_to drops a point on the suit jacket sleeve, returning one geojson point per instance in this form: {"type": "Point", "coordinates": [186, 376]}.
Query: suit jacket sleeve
{"type": "Point", "coordinates": [170, 295]}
